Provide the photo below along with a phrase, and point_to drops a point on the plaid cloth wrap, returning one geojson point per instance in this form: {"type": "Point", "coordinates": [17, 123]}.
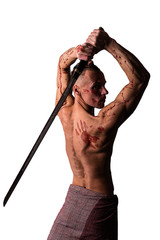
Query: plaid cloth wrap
{"type": "Point", "coordinates": [86, 215]}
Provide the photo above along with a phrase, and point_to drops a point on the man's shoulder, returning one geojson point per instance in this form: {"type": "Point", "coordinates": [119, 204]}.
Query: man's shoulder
{"type": "Point", "coordinates": [111, 108]}
{"type": "Point", "coordinates": [113, 114]}
{"type": "Point", "coordinates": [65, 112]}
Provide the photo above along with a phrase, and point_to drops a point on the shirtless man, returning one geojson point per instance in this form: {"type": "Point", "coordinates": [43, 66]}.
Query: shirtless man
{"type": "Point", "coordinates": [90, 138]}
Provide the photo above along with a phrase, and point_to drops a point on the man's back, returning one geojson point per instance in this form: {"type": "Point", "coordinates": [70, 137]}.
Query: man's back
{"type": "Point", "coordinates": [90, 209]}
{"type": "Point", "coordinates": [89, 143]}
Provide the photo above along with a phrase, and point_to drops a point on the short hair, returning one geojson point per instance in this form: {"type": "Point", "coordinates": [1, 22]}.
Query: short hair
{"type": "Point", "coordinates": [90, 67]}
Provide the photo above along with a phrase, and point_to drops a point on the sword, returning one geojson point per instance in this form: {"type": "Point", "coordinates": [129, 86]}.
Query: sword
{"type": "Point", "coordinates": [77, 71]}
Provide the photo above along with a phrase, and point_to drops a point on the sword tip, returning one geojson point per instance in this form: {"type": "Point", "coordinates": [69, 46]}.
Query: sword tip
{"type": "Point", "coordinates": [5, 201]}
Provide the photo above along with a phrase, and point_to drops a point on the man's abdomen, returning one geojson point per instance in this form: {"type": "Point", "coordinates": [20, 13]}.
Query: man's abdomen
{"type": "Point", "coordinates": [102, 184]}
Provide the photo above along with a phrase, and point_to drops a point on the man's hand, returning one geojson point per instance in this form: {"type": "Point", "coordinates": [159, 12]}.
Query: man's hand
{"type": "Point", "coordinates": [99, 39]}
{"type": "Point", "coordinates": [85, 51]}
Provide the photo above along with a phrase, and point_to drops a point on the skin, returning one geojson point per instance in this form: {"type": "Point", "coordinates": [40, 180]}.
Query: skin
{"type": "Point", "coordinates": [89, 138]}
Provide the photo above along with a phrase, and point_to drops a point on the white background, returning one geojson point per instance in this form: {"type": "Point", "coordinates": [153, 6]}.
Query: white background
{"type": "Point", "coordinates": [33, 36]}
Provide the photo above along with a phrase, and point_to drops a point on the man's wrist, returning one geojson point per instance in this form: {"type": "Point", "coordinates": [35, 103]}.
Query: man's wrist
{"type": "Point", "coordinates": [109, 46]}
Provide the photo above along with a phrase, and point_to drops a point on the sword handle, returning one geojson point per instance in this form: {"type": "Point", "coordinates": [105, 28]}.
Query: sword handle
{"type": "Point", "coordinates": [100, 28]}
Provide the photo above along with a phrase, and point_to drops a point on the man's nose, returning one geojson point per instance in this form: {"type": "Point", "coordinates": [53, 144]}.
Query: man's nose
{"type": "Point", "coordinates": [104, 91]}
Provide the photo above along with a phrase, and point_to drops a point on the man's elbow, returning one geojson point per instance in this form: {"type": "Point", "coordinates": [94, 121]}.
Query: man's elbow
{"type": "Point", "coordinates": [144, 79]}
{"type": "Point", "coordinates": [147, 76]}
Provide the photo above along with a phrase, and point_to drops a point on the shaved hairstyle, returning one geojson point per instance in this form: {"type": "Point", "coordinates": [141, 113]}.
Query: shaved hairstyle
{"type": "Point", "coordinates": [90, 67]}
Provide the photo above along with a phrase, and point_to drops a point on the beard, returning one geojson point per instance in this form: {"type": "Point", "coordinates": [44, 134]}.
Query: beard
{"type": "Point", "coordinates": [101, 103]}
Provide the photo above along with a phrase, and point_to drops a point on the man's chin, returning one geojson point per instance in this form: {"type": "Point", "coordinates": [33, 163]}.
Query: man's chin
{"type": "Point", "coordinates": [101, 105]}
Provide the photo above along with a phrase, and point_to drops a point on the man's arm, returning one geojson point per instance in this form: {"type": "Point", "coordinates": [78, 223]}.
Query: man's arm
{"type": "Point", "coordinates": [82, 52]}
{"type": "Point", "coordinates": [138, 76]}
{"type": "Point", "coordinates": [63, 74]}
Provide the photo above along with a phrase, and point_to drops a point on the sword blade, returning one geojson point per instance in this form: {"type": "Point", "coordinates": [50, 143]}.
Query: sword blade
{"type": "Point", "coordinates": [71, 83]}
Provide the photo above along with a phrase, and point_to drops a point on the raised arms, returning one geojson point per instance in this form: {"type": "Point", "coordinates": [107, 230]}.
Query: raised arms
{"type": "Point", "coordinates": [137, 75]}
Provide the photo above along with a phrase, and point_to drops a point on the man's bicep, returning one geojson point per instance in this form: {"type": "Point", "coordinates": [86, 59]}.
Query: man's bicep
{"type": "Point", "coordinates": [130, 96]}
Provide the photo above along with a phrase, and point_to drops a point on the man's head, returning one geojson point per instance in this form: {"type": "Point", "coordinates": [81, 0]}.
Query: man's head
{"type": "Point", "coordinates": [90, 86]}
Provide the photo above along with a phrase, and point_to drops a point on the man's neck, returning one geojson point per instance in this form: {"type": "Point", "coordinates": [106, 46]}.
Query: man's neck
{"type": "Point", "coordinates": [88, 108]}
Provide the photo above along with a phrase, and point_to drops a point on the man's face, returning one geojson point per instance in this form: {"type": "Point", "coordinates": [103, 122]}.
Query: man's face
{"type": "Point", "coordinates": [93, 91]}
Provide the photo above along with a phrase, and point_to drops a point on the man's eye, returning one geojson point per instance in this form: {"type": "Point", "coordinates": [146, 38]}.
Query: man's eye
{"type": "Point", "coordinates": [95, 88]}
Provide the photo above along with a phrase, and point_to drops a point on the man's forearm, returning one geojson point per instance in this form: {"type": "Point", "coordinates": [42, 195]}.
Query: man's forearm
{"type": "Point", "coordinates": [128, 62]}
{"type": "Point", "coordinates": [67, 58]}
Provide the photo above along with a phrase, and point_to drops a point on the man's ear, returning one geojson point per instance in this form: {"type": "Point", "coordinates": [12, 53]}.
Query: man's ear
{"type": "Point", "coordinates": [76, 90]}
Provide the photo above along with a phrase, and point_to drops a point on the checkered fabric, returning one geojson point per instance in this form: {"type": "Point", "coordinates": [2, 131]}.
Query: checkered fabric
{"type": "Point", "coordinates": [86, 215]}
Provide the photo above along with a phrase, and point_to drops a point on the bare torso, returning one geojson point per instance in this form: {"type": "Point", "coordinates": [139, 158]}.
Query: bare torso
{"type": "Point", "coordinates": [89, 143]}
{"type": "Point", "coordinates": [89, 138]}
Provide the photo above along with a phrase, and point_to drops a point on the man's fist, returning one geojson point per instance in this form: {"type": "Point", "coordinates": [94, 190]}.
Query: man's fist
{"type": "Point", "coordinates": [99, 39]}
{"type": "Point", "coordinates": [85, 52]}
